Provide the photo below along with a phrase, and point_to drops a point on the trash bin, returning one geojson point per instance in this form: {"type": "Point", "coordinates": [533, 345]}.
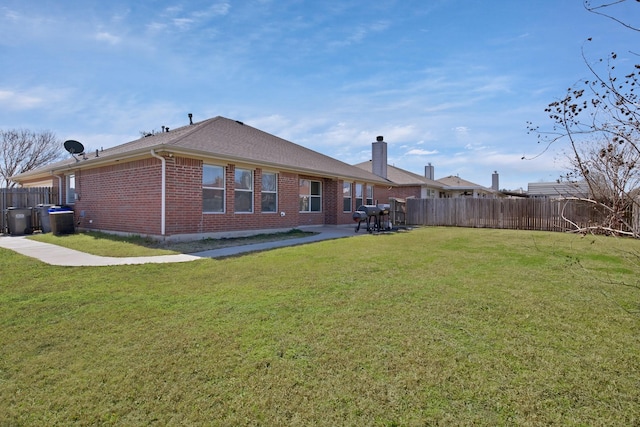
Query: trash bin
{"type": "Point", "coordinates": [43, 214]}
{"type": "Point", "coordinates": [61, 219]}
{"type": "Point", "coordinates": [19, 221]}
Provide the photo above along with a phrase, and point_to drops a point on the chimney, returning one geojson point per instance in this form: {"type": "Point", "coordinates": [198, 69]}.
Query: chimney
{"type": "Point", "coordinates": [495, 185]}
{"type": "Point", "coordinates": [428, 172]}
{"type": "Point", "coordinates": [379, 157]}
{"type": "Point", "coordinates": [190, 118]}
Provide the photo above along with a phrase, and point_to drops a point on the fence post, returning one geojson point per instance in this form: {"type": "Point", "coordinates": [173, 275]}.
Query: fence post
{"type": "Point", "coordinates": [635, 217]}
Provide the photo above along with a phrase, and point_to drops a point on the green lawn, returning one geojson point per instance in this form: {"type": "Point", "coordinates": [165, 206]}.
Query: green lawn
{"type": "Point", "coordinates": [438, 326]}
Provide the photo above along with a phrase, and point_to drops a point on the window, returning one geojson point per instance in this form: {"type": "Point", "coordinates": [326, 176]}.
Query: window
{"type": "Point", "coordinates": [358, 195]}
{"type": "Point", "coordinates": [310, 196]}
{"type": "Point", "coordinates": [369, 194]}
{"type": "Point", "coordinates": [212, 188]}
{"type": "Point", "coordinates": [70, 185]}
{"type": "Point", "coordinates": [243, 191]}
{"type": "Point", "coordinates": [269, 192]}
{"type": "Point", "coordinates": [346, 197]}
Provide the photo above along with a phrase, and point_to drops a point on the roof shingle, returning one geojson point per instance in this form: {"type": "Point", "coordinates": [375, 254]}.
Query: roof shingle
{"type": "Point", "coordinates": [230, 140]}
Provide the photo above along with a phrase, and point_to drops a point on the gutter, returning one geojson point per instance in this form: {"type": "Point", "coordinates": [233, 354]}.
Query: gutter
{"type": "Point", "coordinates": [163, 208]}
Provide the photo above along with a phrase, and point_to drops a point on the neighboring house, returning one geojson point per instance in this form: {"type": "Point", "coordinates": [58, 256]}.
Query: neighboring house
{"type": "Point", "coordinates": [454, 186]}
{"type": "Point", "coordinates": [408, 184]}
{"type": "Point", "coordinates": [215, 178]}
{"type": "Point", "coordinates": [405, 184]}
{"type": "Point", "coordinates": [555, 190]}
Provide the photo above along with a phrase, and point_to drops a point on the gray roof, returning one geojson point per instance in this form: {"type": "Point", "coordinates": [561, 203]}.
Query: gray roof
{"type": "Point", "coordinates": [402, 177]}
{"type": "Point", "coordinates": [453, 182]}
{"type": "Point", "coordinates": [223, 139]}
{"type": "Point", "coordinates": [558, 189]}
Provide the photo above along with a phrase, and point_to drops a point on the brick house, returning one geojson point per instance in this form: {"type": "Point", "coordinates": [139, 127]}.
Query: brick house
{"type": "Point", "coordinates": [214, 178]}
{"type": "Point", "coordinates": [405, 184]}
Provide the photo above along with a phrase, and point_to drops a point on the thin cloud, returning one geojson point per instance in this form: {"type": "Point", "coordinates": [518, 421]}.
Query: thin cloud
{"type": "Point", "coordinates": [186, 21]}
{"type": "Point", "coordinates": [171, 10]}
{"type": "Point", "coordinates": [156, 26]}
{"type": "Point", "coordinates": [461, 130]}
{"type": "Point", "coordinates": [107, 37]}
{"type": "Point", "coordinates": [9, 14]}
{"type": "Point", "coordinates": [360, 33]}
{"type": "Point", "coordinates": [10, 100]}
{"type": "Point", "coordinates": [183, 23]}
{"type": "Point", "coordinates": [419, 152]}
{"type": "Point", "coordinates": [475, 147]}
{"type": "Point", "coordinates": [219, 9]}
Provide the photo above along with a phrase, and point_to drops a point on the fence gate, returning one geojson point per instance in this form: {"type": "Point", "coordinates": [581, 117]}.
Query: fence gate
{"type": "Point", "coordinates": [398, 211]}
{"type": "Point", "coordinates": [24, 198]}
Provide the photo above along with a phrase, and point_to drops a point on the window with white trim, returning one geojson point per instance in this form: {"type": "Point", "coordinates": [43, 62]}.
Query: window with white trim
{"type": "Point", "coordinates": [310, 196]}
{"type": "Point", "coordinates": [70, 187]}
{"type": "Point", "coordinates": [243, 191]}
{"type": "Point", "coordinates": [269, 195]}
{"type": "Point", "coordinates": [346, 197]}
{"type": "Point", "coordinates": [370, 194]}
{"type": "Point", "coordinates": [213, 189]}
{"type": "Point", "coordinates": [358, 195]}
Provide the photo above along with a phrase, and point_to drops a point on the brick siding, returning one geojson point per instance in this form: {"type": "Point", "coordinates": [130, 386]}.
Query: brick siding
{"type": "Point", "coordinates": [126, 198]}
{"type": "Point", "coordinates": [123, 197]}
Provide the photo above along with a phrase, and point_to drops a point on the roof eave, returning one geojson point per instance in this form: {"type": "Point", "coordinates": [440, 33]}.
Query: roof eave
{"type": "Point", "coordinates": [104, 160]}
{"type": "Point", "coordinates": [93, 162]}
{"type": "Point", "coordinates": [236, 159]}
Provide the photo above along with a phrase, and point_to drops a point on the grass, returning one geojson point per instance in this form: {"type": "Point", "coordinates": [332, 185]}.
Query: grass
{"type": "Point", "coordinates": [439, 326]}
{"type": "Point", "coordinates": [104, 244]}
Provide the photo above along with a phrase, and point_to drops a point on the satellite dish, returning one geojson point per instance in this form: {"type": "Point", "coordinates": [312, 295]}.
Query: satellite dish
{"type": "Point", "coordinates": [73, 147]}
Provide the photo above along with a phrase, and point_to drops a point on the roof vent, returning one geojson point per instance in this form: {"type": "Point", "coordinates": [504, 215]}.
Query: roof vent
{"type": "Point", "coordinates": [190, 118]}
{"type": "Point", "coordinates": [167, 128]}
{"type": "Point", "coordinates": [239, 122]}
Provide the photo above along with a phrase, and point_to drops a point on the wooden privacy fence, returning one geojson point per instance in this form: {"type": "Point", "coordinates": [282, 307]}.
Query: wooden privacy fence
{"type": "Point", "coordinates": [517, 214]}
{"type": "Point", "coordinates": [24, 198]}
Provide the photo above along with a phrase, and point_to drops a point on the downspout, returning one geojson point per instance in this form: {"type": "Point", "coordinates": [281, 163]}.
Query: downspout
{"type": "Point", "coordinates": [164, 191]}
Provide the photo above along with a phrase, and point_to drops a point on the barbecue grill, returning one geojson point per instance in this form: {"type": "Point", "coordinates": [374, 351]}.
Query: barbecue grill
{"type": "Point", "coordinates": [373, 216]}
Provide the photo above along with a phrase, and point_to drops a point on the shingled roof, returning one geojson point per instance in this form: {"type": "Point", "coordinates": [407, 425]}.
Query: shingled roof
{"type": "Point", "coordinates": [454, 182]}
{"type": "Point", "coordinates": [402, 177]}
{"type": "Point", "coordinates": [222, 139]}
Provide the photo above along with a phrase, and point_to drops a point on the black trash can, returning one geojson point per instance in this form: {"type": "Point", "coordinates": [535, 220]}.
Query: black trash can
{"type": "Point", "coordinates": [43, 214]}
{"type": "Point", "coordinates": [62, 221]}
{"type": "Point", "coordinates": [19, 221]}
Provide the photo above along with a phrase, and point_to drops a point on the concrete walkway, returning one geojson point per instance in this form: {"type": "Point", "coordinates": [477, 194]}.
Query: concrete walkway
{"type": "Point", "coordinates": [57, 255]}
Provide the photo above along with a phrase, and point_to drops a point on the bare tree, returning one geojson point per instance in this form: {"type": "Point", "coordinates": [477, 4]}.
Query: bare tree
{"type": "Point", "coordinates": [608, 10]}
{"type": "Point", "coordinates": [613, 177]}
{"type": "Point", "coordinates": [599, 117]}
{"type": "Point", "coordinates": [22, 150]}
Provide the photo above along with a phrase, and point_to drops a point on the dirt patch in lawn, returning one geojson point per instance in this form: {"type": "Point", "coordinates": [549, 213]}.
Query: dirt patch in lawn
{"type": "Point", "coordinates": [209, 244]}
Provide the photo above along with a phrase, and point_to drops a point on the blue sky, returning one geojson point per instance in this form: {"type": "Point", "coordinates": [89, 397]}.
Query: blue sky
{"type": "Point", "coordinates": [447, 82]}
